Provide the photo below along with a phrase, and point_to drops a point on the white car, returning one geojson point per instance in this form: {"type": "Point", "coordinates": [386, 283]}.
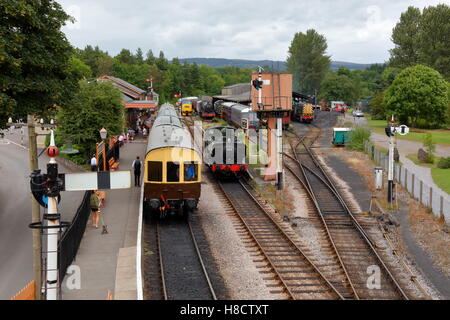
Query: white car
{"type": "Point", "coordinates": [358, 113]}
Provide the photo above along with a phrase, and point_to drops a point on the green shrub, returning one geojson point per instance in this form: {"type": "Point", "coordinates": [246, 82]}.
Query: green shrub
{"type": "Point", "coordinates": [358, 137]}
{"type": "Point", "coordinates": [444, 163]}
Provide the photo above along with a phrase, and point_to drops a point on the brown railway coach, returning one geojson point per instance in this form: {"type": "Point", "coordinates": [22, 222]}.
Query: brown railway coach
{"type": "Point", "coordinates": [172, 168]}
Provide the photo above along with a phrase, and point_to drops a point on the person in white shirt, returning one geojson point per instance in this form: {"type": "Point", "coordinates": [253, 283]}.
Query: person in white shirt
{"type": "Point", "coordinates": [93, 163]}
{"type": "Point", "coordinates": [120, 140]}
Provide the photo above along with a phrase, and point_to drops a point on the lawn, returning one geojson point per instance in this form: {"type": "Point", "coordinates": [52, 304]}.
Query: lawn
{"type": "Point", "coordinates": [442, 178]}
{"type": "Point", "coordinates": [413, 158]}
{"type": "Point", "coordinates": [439, 136]}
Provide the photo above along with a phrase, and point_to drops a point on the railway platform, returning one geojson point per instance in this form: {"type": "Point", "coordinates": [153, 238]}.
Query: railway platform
{"type": "Point", "coordinates": [107, 262]}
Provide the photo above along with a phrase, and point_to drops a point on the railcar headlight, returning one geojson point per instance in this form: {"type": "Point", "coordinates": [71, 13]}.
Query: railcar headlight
{"type": "Point", "coordinates": [154, 203]}
{"type": "Point", "coordinates": [191, 203]}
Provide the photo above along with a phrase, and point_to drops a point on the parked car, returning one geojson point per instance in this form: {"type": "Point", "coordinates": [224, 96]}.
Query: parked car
{"type": "Point", "coordinates": [358, 113]}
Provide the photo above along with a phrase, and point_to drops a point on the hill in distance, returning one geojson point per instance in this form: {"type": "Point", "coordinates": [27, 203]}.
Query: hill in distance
{"type": "Point", "coordinates": [276, 65]}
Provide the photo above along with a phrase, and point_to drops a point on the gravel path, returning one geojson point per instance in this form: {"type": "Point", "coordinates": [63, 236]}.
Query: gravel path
{"type": "Point", "coordinates": [241, 275]}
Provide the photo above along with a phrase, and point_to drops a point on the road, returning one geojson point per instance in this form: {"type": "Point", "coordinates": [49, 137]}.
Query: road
{"type": "Point", "coordinates": [15, 214]}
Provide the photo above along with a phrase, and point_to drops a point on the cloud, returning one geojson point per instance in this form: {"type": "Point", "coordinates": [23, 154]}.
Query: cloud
{"type": "Point", "coordinates": [357, 31]}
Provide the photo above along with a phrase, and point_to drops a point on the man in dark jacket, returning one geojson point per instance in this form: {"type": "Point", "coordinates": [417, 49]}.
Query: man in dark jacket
{"type": "Point", "coordinates": [137, 165]}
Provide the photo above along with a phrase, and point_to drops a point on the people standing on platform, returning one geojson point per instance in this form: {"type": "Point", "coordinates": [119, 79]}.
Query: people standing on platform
{"type": "Point", "coordinates": [131, 133]}
{"type": "Point", "coordinates": [137, 165]}
{"type": "Point", "coordinates": [144, 132]}
{"type": "Point", "coordinates": [95, 204]}
{"type": "Point", "coordinates": [93, 163]}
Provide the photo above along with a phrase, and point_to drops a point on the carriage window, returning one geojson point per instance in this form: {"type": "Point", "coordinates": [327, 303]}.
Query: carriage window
{"type": "Point", "coordinates": [190, 171]}
{"type": "Point", "coordinates": [154, 171]}
{"type": "Point", "coordinates": [173, 172]}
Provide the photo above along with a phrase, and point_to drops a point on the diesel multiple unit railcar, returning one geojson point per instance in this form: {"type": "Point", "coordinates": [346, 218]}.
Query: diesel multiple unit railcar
{"type": "Point", "coordinates": [239, 115]}
{"type": "Point", "coordinates": [225, 153]}
{"type": "Point", "coordinates": [188, 105]}
{"type": "Point", "coordinates": [172, 172]}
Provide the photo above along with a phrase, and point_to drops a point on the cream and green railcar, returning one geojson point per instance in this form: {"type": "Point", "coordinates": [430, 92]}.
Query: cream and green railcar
{"type": "Point", "coordinates": [172, 168]}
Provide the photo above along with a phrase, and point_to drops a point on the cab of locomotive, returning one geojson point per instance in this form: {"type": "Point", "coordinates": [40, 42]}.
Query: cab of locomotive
{"type": "Point", "coordinates": [186, 107]}
{"type": "Point", "coordinates": [172, 180]}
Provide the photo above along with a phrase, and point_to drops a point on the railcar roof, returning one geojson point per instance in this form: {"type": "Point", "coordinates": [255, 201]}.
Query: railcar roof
{"type": "Point", "coordinates": [168, 131]}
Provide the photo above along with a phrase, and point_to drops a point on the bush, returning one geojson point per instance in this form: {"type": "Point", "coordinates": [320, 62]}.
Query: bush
{"type": "Point", "coordinates": [358, 137]}
{"type": "Point", "coordinates": [444, 163]}
{"type": "Point", "coordinates": [430, 147]}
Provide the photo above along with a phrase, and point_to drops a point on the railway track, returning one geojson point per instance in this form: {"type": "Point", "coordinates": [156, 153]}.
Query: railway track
{"type": "Point", "coordinates": [347, 242]}
{"type": "Point", "coordinates": [175, 268]}
{"type": "Point", "coordinates": [296, 275]}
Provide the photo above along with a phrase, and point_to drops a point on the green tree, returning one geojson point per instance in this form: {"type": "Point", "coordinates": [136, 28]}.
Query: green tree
{"type": "Point", "coordinates": [430, 147]}
{"type": "Point", "coordinates": [418, 96]}
{"type": "Point", "coordinates": [307, 61]}
{"type": "Point", "coordinates": [79, 69]}
{"type": "Point", "coordinates": [162, 62]}
{"type": "Point", "coordinates": [150, 58]}
{"type": "Point", "coordinates": [96, 105]}
{"type": "Point", "coordinates": [337, 87]}
{"type": "Point", "coordinates": [377, 107]}
{"type": "Point", "coordinates": [139, 56]}
{"type": "Point", "coordinates": [405, 37]}
{"type": "Point", "coordinates": [125, 56]}
{"type": "Point", "coordinates": [104, 66]}
{"type": "Point", "coordinates": [94, 58]}
{"type": "Point", "coordinates": [233, 75]}
{"type": "Point", "coordinates": [35, 72]}
{"type": "Point", "coordinates": [435, 38]}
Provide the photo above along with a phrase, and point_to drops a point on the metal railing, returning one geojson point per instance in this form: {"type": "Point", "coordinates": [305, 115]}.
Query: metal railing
{"type": "Point", "coordinates": [71, 238]}
{"type": "Point", "coordinates": [436, 200]}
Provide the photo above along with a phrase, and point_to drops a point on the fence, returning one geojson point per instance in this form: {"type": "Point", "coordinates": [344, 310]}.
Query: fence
{"type": "Point", "coordinates": [71, 238]}
{"type": "Point", "coordinates": [436, 201]}
{"type": "Point", "coordinates": [113, 152]}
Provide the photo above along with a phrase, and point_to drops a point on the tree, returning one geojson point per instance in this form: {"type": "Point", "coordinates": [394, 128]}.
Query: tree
{"type": "Point", "coordinates": [405, 37]}
{"type": "Point", "coordinates": [139, 56]}
{"type": "Point", "coordinates": [104, 66]}
{"type": "Point", "coordinates": [95, 106]}
{"type": "Point", "coordinates": [307, 61]}
{"type": "Point", "coordinates": [150, 58]}
{"type": "Point", "coordinates": [377, 107]}
{"type": "Point", "coordinates": [125, 56]}
{"type": "Point", "coordinates": [35, 73]}
{"type": "Point", "coordinates": [93, 57]}
{"type": "Point", "coordinates": [419, 97]}
{"type": "Point", "coordinates": [430, 147]}
{"type": "Point", "coordinates": [79, 69]}
{"type": "Point", "coordinates": [337, 87]}
{"type": "Point", "coordinates": [435, 39]}
{"type": "Point", "coordinates": [162, 62]}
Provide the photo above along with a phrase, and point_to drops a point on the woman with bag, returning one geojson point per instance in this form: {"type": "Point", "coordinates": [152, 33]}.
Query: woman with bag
{"type": "Point", "coordinates": [95, 203]}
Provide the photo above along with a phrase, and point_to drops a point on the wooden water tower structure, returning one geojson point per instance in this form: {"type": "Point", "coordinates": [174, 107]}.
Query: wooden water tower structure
{"type": "Point", "coordinates": [272, 101]}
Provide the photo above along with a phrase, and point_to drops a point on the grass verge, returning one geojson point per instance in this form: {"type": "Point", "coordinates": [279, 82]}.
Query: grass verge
{"type": "Point", "coordinates": [442, 178]}
{"type": "Point", "coordinates": [413, 158]}
{"type": "Point", "coordinates": [439, 136]}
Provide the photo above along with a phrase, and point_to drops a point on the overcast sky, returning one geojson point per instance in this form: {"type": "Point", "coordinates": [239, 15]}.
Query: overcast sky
{"type": "Point", "coordinates": [356, 30]}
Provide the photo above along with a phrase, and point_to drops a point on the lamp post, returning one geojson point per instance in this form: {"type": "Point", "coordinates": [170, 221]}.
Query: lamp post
{"type": "Point", "coordinates": [103, 134]}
